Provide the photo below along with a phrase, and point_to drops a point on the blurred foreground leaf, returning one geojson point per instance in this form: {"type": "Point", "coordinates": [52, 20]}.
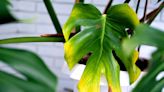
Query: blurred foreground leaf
{"type": "Point", "coordinates": [146, 35]}
{"type": "Point", "coordinates": [5, 14]}
{"type": "Point", "coordinates": [153, 81]}
{"type": "Point", "coordinates": [36, 77]}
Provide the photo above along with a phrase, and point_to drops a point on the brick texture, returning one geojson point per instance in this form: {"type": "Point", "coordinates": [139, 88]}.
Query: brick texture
{"type": "Point", "coordinates": [40, 23]}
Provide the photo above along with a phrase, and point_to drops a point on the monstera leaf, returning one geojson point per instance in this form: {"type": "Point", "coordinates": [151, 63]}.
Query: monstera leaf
{"type": "Point", "coordinates": [35, 76]}
{"type": "Point", "coordinates": [153, 82]}
{"type": "Point", "coordinates": [146, 35]}
{"type": "Point", "coordinates": [5, 15]}
{"type": "Point", "coordinates": [101, 35]}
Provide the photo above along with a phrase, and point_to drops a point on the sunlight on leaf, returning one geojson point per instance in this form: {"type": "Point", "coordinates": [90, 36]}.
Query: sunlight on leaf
{"type": "Point", "coordinates": [101, 35]}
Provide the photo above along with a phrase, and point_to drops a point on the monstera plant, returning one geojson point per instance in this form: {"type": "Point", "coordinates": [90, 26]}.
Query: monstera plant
{"type": "Point", "coordinates": [105, 39]}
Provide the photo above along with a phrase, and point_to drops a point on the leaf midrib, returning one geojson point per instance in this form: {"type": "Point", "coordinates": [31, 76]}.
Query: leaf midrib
{"type": "Point", "coordinates": [102, 36]}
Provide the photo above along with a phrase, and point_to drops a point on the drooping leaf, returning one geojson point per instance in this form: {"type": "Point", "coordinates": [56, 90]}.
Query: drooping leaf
{"type": "Point", "coordinates": [145, 35]}
{"type": "Point", "coordinates": [31, 39]}
{"type": "Point", "coordinates": [101, 35]}
{"type": "Point", "coordinates": [5, 14]}
{"type": "Point", "coordinates": [36, 77]}
{"type": "Point", "coordinates": [152, 82]}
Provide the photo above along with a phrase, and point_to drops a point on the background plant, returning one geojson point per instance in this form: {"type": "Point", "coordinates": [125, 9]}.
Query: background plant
{"type": "Point", "coordinates": [150, 82]}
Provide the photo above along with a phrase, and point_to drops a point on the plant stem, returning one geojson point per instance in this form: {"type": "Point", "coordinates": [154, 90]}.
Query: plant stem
{"type": "Point", "coordinates": [138, 4]}
{"type": "Point", "coordinates": [127, 1]}
{"type": "Point", "coordinates": [145, 10]}
{"type": "Point", "coordinates": [78, 1]}
{"type": "Point", "coordinates": [108, 6]}
{"type": "Point", "coordinates": [144, 19]}
{"type": "Point", "coordinates": [155, 13]}
{"type": "Point", "coordinates": [53, 16]}
{"type": "Point", "coordinates": [31, 39]}
{"type": "Point", "coordinates": [159, 1]}
{"type": "Point", "coordinates": [56, 35]}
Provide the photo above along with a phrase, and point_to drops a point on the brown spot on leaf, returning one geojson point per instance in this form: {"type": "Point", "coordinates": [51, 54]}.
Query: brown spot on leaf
{"type": "Point", "coordinates": [98, 26]}
{"type": "Point", "coordinates": [109, 89]}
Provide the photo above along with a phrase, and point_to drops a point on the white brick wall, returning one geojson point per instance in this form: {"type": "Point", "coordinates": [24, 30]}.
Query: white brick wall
{"type": "Point", "coordinates": [52, 53]}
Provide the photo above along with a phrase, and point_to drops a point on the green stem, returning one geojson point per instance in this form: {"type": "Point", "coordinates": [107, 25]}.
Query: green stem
{"type": "Point", "coordinates": [31, 39]}
{"type": "Point", "coordinates": [53, 16]}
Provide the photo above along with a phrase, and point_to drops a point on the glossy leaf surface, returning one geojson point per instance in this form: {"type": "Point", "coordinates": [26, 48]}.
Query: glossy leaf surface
{"type": "Point", "coordinates": [101, 35]}
{"type": "Point", "coordinates": [36, 77]}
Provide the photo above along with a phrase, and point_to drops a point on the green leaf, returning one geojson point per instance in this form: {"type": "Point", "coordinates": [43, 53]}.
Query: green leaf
{"type": "Point", "coordinates": [78, 15]}
{"type": "Point", "coordinates": [101, 35]}
{"type": "Point", "coordinates": [143, 35]}
{"type": "Point", "coordinates": [31, 39]}
{"type": "Point", "coordinates": [151, 82]}
{"type": "Point", "coordinates": [5, 15]}
{"type": "Point", "coordinates": [36, 77]}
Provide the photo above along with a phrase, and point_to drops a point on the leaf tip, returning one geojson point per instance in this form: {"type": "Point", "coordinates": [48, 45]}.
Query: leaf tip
{"type": "Point", "coordinates": [135, 75]}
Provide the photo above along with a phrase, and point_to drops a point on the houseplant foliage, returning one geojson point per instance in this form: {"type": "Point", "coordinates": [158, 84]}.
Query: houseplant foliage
{"type": "Point", "coordinates": [101, 35]}
{"type": "Point", "coordinates": [153, 37]}
{"type": "Point", "coordinates": [151, 79]}
{"type": "Point", "coordinates": [34, 76]}
{"type": "Point", "coordinates": [5, 15]}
